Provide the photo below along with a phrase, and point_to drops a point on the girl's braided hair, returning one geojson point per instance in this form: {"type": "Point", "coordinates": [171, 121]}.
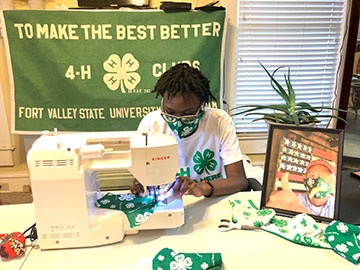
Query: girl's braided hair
{"type": "Point", "coordinates": [184, 79]}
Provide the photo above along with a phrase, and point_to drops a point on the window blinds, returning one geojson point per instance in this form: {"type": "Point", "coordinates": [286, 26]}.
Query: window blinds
{"type": "Point", "coordinates": [305, 36]}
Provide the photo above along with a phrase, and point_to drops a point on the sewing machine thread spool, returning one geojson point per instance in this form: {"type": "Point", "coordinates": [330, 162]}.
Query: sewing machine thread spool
{"type": "Point", "coordinates": [92, 151]}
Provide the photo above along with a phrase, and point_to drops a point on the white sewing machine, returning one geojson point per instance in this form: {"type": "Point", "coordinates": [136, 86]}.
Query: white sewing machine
{"type": "Point", "coordinates": [64, 179]}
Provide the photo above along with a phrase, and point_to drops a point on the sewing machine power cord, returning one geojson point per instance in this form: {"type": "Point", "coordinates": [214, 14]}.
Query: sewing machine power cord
{"type": "Point", "coordinates": [32, 233]}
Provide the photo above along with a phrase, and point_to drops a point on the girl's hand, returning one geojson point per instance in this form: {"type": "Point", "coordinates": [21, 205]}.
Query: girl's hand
{"type": "Point", "coordinates": [137, 188]}
{"type": "Point", "coordinates": [184, 185]}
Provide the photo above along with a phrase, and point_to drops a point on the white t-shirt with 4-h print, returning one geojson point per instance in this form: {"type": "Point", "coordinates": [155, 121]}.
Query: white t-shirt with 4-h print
{"type": "Point", "coordinates": [203, 154]}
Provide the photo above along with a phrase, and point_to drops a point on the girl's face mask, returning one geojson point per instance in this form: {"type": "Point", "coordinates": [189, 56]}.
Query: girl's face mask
{"type": "Point", "coordinates": [318, 187]}
{"type": "Point", "coordinates": [183, 126]}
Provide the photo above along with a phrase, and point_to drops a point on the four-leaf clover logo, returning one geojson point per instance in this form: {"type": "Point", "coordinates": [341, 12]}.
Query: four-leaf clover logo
{"type": "Point", "coordinates": [121, 72]}
{"type": "Point", "coordinates": [204, 162]}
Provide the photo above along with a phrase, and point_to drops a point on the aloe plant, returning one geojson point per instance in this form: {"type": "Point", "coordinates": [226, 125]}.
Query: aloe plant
{"type": "Point", "coordinates": [290, 112]}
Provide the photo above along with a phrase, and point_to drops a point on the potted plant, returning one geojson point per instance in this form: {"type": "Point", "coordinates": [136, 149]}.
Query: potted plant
{"type": "Point", "coordinates": [290, 112]}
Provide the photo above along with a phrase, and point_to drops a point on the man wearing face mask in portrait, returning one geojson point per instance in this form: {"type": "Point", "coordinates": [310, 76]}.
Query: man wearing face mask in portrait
{"type": "Point", "coordinates": [319, 181]}
{"type": "Point", "coordinates": [207, 141]}
{"type": "Point", "coordinates": [318, 199]}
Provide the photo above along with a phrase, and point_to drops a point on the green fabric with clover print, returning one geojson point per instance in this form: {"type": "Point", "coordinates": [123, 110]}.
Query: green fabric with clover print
{"type": "Point", "coordinates": [167, 259]}
{"type": "Point", "coordinates": [301, 229]}
{"type": "Point", "coordinates": [137, 209]}
{"type": "Point", "coordinates": [246, 213]}
{"type": "Point", "coordinates": [344, 239]}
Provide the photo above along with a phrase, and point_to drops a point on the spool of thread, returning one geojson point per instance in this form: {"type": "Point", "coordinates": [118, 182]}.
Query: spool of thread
{"type": "Point", "coordinates": [92, 151]}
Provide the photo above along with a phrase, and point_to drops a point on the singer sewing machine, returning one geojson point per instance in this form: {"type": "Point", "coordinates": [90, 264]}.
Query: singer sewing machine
{"type": "Point", "coordinates": [64, 179]}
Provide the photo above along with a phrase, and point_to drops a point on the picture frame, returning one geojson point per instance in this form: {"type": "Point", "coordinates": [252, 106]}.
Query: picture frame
{"type": "Point", "coordinates": [302, 172]}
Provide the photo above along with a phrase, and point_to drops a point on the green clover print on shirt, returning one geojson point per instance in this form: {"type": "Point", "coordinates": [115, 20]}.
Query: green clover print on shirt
{"type": "Point", "coordinates": [204, 162]}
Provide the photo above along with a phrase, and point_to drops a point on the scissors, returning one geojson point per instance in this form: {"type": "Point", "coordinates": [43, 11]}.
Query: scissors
{"type": "Point", "coordinates": [227, 225]}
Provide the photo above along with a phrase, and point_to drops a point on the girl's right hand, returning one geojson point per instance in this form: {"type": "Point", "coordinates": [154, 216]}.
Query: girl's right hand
{"type": "Point", "coordinates": [137, 188]}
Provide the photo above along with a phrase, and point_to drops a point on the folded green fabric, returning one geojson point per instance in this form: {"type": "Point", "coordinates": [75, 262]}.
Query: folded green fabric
{"type": "Point", "coordinates": [137, 209]}
{"type": "Point", "coordinates": [344, 239]}
{"type": "Point", "coordinates": [167, 259]}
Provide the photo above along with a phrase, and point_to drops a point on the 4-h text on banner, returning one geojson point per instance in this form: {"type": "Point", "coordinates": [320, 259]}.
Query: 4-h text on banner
{"type": "Point", "coordinates": [94, 70]}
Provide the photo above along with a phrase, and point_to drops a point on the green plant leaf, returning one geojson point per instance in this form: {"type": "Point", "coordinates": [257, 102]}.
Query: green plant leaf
{"type": "Point", "coordinates": [290, 111]}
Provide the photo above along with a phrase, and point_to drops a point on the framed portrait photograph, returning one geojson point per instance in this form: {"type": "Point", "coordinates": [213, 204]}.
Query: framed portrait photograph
{"type": "Point", "coordinates": [302, 172]}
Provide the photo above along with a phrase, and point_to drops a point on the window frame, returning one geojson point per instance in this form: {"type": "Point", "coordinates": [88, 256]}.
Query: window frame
{"type": "Point", "coordinates": [255, 143]}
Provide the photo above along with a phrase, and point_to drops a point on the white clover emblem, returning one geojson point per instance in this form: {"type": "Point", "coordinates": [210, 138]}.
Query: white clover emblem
{"type": "Point", "coordinates": [187, 131]}
{"type": "Point", "coordinates": [331, 238]}
{"type": "Point", "coordinates": [126, 197]}
{"type": "Point", "coordinates": [121, 72]}
{"type": "Point", "coordinates": [142, 218]}
{"type": "Point", "coordinates": [161, 257]}
{"type": "Point", "coordinates": [130, 205]}
{"type": "Point", "coordinates": [204, 265]}
{"type": "Point", "coordinates": [181, 263]}
{"type": "Point", "coordinates": [342, 248]}
{"type": "Point", "coordinates": [342, 227]}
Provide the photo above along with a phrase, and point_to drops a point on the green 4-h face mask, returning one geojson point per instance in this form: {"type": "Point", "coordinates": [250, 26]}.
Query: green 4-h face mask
{"type": "Point", "coordinates": [185, 128]}
{"type": "Point", "coordinates": [318, 187]}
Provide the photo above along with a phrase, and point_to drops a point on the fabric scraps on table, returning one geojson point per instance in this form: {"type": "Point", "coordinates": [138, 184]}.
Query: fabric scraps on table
{"type": "Point", "coordinates": [301, 229]}
{"type": "Point", "coordinates": [12, 245]}
{"type": "Point", "coordinates": [341, 237]}
{"type": "Point", "coordinates": [344, 239]}
{"type": "Point", "coordinates": [137, 209]}
{"type": "Point", "coordinates": [246, 213]}
{"type": "Point", "coordinates": [167, 259]}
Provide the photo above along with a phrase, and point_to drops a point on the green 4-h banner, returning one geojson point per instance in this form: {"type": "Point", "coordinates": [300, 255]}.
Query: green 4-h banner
{"type": "Point", "coordinates": [94, 70]}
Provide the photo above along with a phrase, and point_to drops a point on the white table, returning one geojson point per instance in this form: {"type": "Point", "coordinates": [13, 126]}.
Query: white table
{"type": "Point", "coordinates": [239, 249]}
